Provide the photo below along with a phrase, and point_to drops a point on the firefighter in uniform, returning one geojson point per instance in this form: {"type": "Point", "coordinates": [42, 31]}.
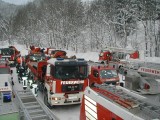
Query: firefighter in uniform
{"type": "Point", "coordinates": [19, 60]}
{"type": "Point", "coordinates": [18, 63]}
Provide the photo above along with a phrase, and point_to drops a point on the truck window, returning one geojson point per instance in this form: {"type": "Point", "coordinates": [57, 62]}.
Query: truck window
{"type": "Point", "coordinates": [108, 73]}
{"type": "Point", "coordinates": [71, 72]}
{"type": "Point", "coordinates": [36, 57]}
{"type": "Point", "coordinates": [7, 51]}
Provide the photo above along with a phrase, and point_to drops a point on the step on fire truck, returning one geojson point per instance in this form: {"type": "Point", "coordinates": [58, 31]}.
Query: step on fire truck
{"type": "Point", "coordinates": [100, 73]}
{"type": "Point", "coordinates": [62, 80]}
{"type": "Point", "coordinates": [108, 102]}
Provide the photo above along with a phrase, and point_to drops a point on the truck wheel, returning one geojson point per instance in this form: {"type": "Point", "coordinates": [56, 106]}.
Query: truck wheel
{"type": "Point", "coordinates": [46, 100]}
{"type": "Point", "coordinates": [40, 87]}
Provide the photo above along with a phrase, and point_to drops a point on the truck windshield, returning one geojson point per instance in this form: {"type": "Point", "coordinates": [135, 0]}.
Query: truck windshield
{"type": "Point", "coordinates": [6, 51]}
{"type": "Point", "coordinates": [71, 72]}
{"type": "Point", "coordinates": [108, 74]}
{"type": "Point", "coordinates": [37, 57]}
{"type": "Point", "coordinates": [4, 71]}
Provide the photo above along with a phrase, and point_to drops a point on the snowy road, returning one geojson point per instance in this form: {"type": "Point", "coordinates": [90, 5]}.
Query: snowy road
{"type": "Point", "coordinates": [70, 112]}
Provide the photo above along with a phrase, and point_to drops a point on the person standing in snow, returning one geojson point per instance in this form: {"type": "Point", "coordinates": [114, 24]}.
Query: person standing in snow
{"type": "Point", "coordinates": [19, 60]}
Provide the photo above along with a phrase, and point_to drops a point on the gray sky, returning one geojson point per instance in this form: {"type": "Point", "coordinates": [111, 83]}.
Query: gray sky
{"type": "Point", "coordinates": [18, 2]}
{"type": "Point", "coordinates": [22, 2]}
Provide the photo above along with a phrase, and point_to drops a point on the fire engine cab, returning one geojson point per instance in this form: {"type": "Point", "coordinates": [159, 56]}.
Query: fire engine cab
{"type": "Point", "coordinates": [9, 54]}
{"type": "Point", "coordinates": [62, 80]}
{"type": "Point", "coordinates": [99, 73]}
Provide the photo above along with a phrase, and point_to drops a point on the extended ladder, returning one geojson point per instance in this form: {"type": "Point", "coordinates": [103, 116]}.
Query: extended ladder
{"type": "Point", "coordinates": [32, 108]}
{"type": "Point", "coordinates": [127, 100]}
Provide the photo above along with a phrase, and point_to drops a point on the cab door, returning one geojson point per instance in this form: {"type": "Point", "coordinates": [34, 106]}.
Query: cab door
{"type": "Point", "coordinates": [94, 77]}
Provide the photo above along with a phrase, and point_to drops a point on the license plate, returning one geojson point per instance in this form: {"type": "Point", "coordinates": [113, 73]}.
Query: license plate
{"type": "Point", "coordinates": [72, 97]}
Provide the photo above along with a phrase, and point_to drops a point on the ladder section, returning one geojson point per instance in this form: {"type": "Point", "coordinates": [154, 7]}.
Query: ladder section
{"type": "Point", "coordinates": [32, 108]}
{"type": "Point", "coordinates": [110, 92]}
{"type": "Point", "coordinates": [127, 100]}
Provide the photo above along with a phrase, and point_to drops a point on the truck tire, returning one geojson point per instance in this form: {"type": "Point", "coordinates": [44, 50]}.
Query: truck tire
{"type": "Point", "coordinates": [46, 100]}
{"type": "Point", "coordinates": [40, 86]}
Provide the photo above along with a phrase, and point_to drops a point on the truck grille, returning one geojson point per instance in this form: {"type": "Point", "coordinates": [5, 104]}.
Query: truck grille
{"type": "Point", "coordinates": [68, 88]}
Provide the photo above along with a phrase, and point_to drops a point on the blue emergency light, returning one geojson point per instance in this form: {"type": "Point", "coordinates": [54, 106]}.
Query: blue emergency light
{"type": "Point", "coordinates": [60, 58]}
{"type": "Point", "coordinates": [7, 97]}
{"type": "Point", "coordinates": [80, 59]}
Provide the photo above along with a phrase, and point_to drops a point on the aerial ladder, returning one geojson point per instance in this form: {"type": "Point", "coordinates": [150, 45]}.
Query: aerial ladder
{"type": "Point", "coordinates": [120, 101]}
{"type": "Point", "coordinates": [31, 108]}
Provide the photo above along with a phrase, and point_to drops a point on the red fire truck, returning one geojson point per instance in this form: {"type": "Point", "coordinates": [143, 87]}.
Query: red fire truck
{"type": "Point", "coordinates": [9, 54]}
{"type": "Point", "coordinates": [108, 102]}
{"type": "Point", "coordinates": [62, 80]}
{"type": "Point", "coordinates": [54, 53]}
{"type": "Point", "coordinates": [99, 73]}
{"type": "Point", "coordinates": [111, 53]}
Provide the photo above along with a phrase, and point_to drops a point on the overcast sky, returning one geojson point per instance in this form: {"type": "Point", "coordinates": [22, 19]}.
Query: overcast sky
{"type": "Point", "coordinates": [18, 2]}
